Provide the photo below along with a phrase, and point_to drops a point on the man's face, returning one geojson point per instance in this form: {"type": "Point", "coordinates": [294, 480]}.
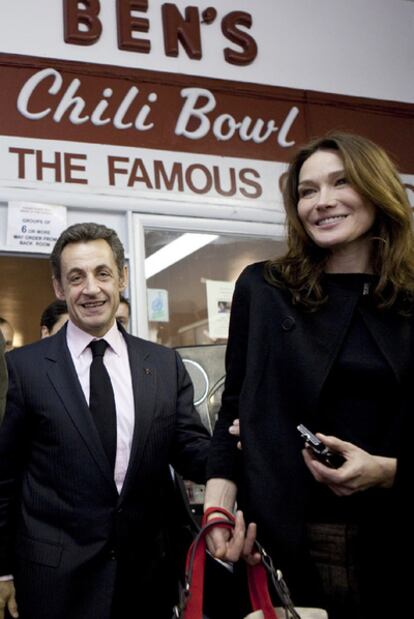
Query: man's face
{"type": "Point", "coordinates": [90, 284]}
{"type": "Point", "coordinates": [8, 334]}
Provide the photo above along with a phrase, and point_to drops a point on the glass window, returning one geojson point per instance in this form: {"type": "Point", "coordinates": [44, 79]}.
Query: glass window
{"type": "Point", "coordinates": [190, 278]}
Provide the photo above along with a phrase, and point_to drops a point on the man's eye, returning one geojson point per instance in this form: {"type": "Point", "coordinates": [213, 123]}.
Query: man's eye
{"type": "Point", "coordinates": [342, 181]}
{"type": "Point", "coordinates": [75, 279]}
{"type": "Point", "coordinates": [104, 274]}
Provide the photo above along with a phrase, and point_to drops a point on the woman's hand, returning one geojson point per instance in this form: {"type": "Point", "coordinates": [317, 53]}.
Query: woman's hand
{"type": "Point", "coordinates": [225, 544]}
{"type": "Point", "coordinates": [234, 429]}
{"type": "Point", "coordinates": [360, 471]}
{"type": "Point", "coordinates": [231, 545]}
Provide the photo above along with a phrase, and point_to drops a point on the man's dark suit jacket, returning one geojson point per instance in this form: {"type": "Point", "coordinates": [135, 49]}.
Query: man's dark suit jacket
{"type": "Point", "coordinates": [66, 535]}
{"type": "Point", "coordinates": [3, 377]}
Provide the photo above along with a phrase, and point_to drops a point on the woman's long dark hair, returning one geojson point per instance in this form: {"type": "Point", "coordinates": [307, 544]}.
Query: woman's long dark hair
{"type": "Point", "coordinates": [373, 175]}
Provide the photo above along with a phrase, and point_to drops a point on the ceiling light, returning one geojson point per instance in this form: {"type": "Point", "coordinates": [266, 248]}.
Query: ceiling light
{"type": "Point", "coordinates": [175, 251]}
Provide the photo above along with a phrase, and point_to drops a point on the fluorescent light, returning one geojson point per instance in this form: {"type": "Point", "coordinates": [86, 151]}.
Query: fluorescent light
{"type": "Point", "coordinates": [178, 249]}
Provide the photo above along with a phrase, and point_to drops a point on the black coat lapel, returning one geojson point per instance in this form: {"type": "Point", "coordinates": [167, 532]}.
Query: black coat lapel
{"type": "Point", "coordinates": [311, 341]}
{"type": "Point", "coordinates": [144, 380]}
{"type": "Point", "coordinates": [317, 337]}
{"type": "Point", "coordinates": [62, 374]}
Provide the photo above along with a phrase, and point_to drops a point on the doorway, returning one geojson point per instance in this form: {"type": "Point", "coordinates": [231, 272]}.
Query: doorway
{"type": "Point", "coordinates": [26, 289]}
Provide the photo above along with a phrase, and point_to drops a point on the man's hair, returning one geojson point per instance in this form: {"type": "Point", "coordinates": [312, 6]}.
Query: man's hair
{"type": "Point", "coordinates": [373, 175]}
{"type": "Point", "coordinates": [52, 313]}
{"type": "Point", "coordinates": [82, 233]}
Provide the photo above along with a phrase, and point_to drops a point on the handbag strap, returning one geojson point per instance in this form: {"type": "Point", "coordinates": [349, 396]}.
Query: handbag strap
{"type": "Point", "coordinates": [194, 589]}
{"type": "Point", "coordinates": [195, 564]}
{"type": "Point", "coordinates": [279, 583]}
{"type": "Point", "coordinates": [259, 590]}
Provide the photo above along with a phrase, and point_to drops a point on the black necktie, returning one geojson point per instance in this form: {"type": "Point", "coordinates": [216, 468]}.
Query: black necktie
{"type": "Point", "coordinates": [102, 400]}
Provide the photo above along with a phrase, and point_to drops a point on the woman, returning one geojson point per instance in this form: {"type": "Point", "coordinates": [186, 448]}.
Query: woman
{"type": "Point", "coordinates": [324, 336]}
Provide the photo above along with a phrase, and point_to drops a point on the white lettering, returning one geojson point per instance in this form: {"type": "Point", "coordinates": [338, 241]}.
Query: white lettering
{"type": "Point", "coordinates": [124, 107]}
{"type": "Point", "coordinates": [255, 133]}
{"type": "Point", "coordinates": [285, 128]}
{"type": "Point", "coordinates": [195, 120]}
{"type": "Point", "coordinates": [189, 111]}
{"type": "Point", "coordinates": [27, 91]}
{"type": "Point", "coordinates": [70, 100]}
{"type": "Point", "coordinates": [96, 116]}
{"type": "Point", "coordinates": [219, 127]}
{"type": "Point", "coordinates": [143, 114]}
{"type": "Point", "coordinates": [74, 104]}
{"type": "Point", "coordinates": [225, 126]}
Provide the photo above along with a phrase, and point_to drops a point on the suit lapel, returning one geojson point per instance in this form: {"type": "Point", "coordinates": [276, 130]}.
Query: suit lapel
{"type": "Point", "coordinates": [62, 374]}
{"type": "Point", "coordinates": [144, 380]}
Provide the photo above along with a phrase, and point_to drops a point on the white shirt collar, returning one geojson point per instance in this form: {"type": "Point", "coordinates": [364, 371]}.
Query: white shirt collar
{"type": "Point", "coordinates": [78, 340]}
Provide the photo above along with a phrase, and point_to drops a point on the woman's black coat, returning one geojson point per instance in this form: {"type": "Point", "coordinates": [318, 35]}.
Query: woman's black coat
{"type": "Point", "coordinates": [278, 358]}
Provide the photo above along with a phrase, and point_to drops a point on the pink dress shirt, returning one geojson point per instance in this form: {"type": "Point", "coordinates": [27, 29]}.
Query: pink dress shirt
{"type": "Point", "coordinates": [116, 361]}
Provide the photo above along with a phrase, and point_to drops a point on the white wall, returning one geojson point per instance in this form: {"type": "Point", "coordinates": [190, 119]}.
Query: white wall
{"type": "Point", "coordinates": [352, 47]}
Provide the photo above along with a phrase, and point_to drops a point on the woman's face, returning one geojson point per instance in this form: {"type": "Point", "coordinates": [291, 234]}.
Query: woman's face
{"type": "Point", "coordinates": [333, 213]}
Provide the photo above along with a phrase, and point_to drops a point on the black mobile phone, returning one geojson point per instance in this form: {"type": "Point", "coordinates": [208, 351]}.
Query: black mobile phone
{"type": "Point", "coordinates": [321, 452]}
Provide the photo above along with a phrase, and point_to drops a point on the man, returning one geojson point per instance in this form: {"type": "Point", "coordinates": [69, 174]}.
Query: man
{"type": "Point", "coordinates": [123, 312]}
{"type": "Point", "coordinates": [3, 377]}
{"type": "Point", "coordinates": [7, 332]}
{"type": "Point", "coordinates": [90, 535]}
{"type": "Point", "coordinates": [53, 317]}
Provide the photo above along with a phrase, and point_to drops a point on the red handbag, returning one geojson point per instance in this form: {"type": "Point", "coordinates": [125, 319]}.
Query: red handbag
{"type": "Point", "coordinates": [191, 606]}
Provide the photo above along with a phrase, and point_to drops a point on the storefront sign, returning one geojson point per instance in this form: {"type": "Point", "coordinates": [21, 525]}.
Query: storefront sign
{"type": "Point", "coordinates": [138, 172]}
{"type": "Point", "coordinates": [120, 132]}
{"type": "Point", "coordinates": [288, 44]}
{"type": "Point", "coordinates": [186, 114]}
{"type": "Point", "coordinates": [181, 26]}
{"type": "Point", "coordinates": [196, 115]}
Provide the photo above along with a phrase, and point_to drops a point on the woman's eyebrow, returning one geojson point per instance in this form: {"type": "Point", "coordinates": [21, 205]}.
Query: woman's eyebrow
{"type": "Point", "coordinates": [332, 174]}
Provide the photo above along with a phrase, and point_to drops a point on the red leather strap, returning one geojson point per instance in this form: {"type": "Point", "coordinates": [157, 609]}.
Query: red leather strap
{"type": "Point", "coordinates": [217, 510]}
{"type": "Point", "coordinates": [257, 577]}
{"type": "Point", "coordinates": [195, 564]}
{"type": "Point", "coordinates": [259, 590]}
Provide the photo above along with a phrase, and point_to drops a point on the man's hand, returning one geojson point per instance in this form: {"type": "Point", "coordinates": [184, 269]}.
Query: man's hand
{"type": "Point", "coordinates": [8, 598]}
{"type": "Point", "coordinates": [231, 545]}
{"type": "Point", "coordinates": [360, 471]}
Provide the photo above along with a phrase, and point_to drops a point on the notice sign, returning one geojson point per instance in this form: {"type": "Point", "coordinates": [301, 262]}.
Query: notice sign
{"type": "Point", "coordinates": [157, 305]}
{"type": "Point", "coordinates": [219, 297]}
{"type": "Point", "coordinates": [34, 227]}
